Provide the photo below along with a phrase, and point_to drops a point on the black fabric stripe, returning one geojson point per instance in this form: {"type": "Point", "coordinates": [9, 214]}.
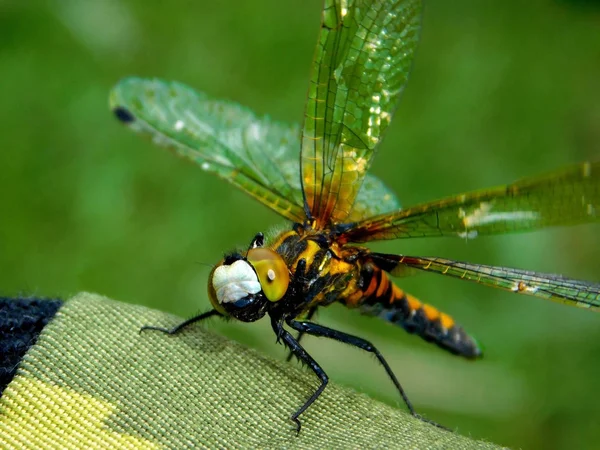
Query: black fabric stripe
{"type": "Point", "coordinates": [21, 322]}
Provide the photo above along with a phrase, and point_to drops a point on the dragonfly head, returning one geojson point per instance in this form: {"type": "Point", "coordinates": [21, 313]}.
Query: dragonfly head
{"type": "Point", "coordinates": [245, 286]}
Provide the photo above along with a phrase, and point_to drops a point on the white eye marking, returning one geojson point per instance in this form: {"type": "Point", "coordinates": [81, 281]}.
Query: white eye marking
{"type": "Point", "coordinates": [271, 274]}
{"type": "Point", "coordinates": [179, 125]}
{"type": "Point", "coordinates": [234, 282]}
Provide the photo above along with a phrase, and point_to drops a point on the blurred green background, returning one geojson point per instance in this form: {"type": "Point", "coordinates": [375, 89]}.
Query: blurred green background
{"type": "Point", "coordinates": [499, 90]}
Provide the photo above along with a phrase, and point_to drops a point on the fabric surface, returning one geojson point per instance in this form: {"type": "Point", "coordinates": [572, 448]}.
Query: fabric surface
{"type": "Point", "coordinates": [92, 381]}
{"type": "Point", "coordinates": [21, 321]}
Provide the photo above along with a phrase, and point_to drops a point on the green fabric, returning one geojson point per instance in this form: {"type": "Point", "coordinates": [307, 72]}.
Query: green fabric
{"type": "Point", "coordinates": [93, 381]}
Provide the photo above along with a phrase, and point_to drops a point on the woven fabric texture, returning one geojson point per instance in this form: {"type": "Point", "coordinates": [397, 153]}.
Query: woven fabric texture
{"type": "Point", "coordinates": [92, 381]}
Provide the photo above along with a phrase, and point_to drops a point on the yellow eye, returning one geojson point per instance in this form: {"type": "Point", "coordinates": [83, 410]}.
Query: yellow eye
{"type": "Point", "coordinates": [272, 271]}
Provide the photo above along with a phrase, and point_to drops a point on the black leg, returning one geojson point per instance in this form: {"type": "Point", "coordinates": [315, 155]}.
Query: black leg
{"type": "Point", "coordinates": [258, 241]}
{"type": "Point", "coordinates": [311, 313]}
{"type": "Point", "coordinates": [319, 330]}
{"type": "Point", "coordinates": [184, 324]}
{"type": "Point", "coordinates": [297, 350]}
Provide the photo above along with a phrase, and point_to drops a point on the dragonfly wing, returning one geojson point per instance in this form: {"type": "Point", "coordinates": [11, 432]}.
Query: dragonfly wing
{"type": "Point", "coordinates": [583, 294]}
{"type": "Point", "coordinates": [255, 154]}
{"type": "Point", "coordinates": [567, 197]}
{"type": "Point", "coordinates": [361, 65]}
{"type": "Point", "coordinates": [373, 198]}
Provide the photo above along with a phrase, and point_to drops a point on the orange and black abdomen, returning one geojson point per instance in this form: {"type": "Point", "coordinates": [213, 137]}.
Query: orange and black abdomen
{"type": "Point", "coordinates": [379, 296]}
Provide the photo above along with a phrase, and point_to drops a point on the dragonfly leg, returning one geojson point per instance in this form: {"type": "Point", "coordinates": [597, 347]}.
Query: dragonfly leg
{"type": "Point", "coordinates": [299, 284]}
{"type": "Point", "coordinates": [309, 315]}
{"type": "Point", "coordinates": [176, 329]}
{"type": "Point", "coordinates": [321, 331]}
{"type": "Point", "coordinates": [297, 350]}
{"type": "Point", "coordinates": [258, 241]}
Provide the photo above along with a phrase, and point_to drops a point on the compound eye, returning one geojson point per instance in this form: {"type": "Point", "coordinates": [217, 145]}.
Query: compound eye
{"type": "Point", "coordinates": [232, 284]}
{"type": "Point", "coordinates": [272, 272]}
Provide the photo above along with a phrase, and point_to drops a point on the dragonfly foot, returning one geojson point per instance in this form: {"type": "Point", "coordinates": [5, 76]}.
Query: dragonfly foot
{"type": "Point", "coordinates": [298, 424]}
{"type": "Point", "coordinates": [162, 330]}
{"type": "Point", "coordinates": [431, 422]}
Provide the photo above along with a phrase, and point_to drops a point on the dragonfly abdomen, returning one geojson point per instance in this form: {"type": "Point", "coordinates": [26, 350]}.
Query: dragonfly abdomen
{"type": "Point", "coordinates": [382, 298]}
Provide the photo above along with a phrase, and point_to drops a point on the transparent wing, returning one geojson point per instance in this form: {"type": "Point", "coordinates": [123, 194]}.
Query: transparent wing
{"type": "Point", "coordinates": [567, 197]}
{"type": "Point", "coordinates": [361, 65]}
{"type": "Point", "coordinates": [255, 154]}
{"type": "Point", "coordinates": [583, 294]}
{"type": "Point", "coordinates": [373, 198]}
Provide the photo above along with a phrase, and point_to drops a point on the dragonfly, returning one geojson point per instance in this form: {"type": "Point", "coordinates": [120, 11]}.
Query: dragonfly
{"type": "Point", "coordinates": [316, 177]}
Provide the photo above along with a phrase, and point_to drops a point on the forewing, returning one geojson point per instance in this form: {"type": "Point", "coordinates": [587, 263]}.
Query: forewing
{"type": "Point", "coordinates": [255, 154]}
{"type": "Point", "coordinates": [567, 197]}
{"type": "Point", "coordinates": [361, 65]}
